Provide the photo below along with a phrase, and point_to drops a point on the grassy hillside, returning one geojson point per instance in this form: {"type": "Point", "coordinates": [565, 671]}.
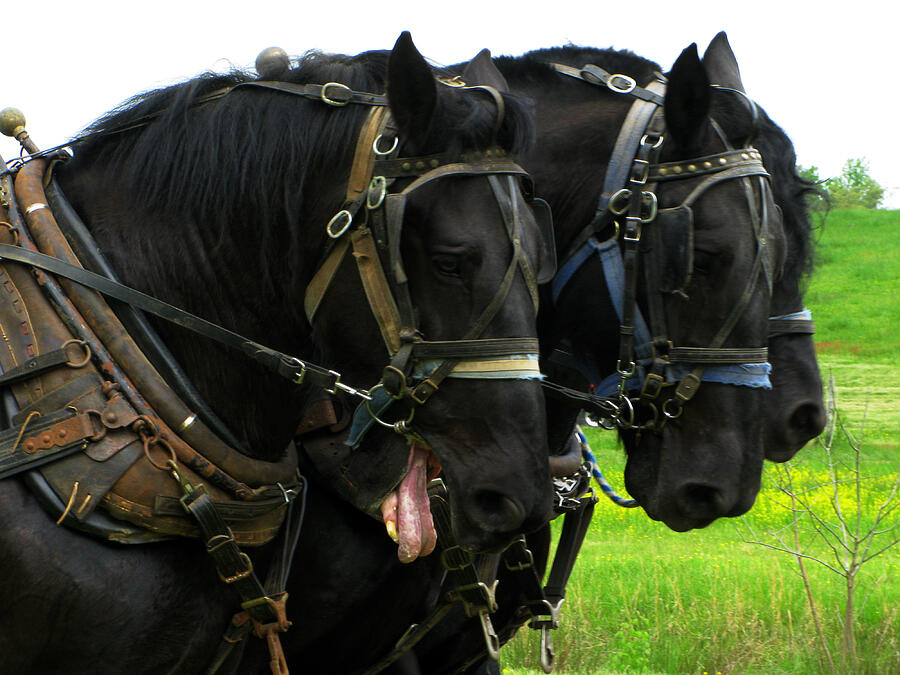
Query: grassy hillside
{"type": "Point", "coordinates": [644, 599]}
{"type": "Point", "coordinates": [855, 291]}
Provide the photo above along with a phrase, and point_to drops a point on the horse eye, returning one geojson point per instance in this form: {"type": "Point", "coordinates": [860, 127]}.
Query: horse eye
{"type": "Point", "coordinates": [448, 265]}
{"type": "Point", "coordinates": [703, 261]}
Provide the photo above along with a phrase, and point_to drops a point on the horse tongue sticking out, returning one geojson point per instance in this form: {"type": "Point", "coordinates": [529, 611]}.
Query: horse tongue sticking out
{"type": "Point", "coordinates": [406, 511]}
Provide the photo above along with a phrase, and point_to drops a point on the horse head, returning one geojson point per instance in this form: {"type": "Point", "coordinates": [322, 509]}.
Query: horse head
{"type": "Point", "coordinates": [794, 412]}
{"type": "Point", "coordinates": [461, 260]}
{"type": "Point", "coordinates": [689, 216]}
{"type": "Point", "coordinates": [234, 189]}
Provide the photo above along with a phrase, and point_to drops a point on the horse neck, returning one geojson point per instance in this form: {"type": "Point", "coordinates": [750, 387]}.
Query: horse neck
{"type": "Point", "coordinates": [222, 280]}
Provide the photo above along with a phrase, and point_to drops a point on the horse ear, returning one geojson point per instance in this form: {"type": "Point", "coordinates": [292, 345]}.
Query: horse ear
{"type": "Point", "coordinates": [482, 71]}
{"type": "Point", "coordinates": [411, 89]}
{"type": "Point", "coordinates": [687, 99]}
{"type": "Point", "coordinates": [721, 64]}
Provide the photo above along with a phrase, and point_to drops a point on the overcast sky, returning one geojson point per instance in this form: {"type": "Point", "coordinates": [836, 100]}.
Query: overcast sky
{"type": "Point", "coordinates": [824, 71]}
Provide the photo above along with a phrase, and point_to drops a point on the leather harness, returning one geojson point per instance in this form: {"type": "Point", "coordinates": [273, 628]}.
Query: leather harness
{"type": "Point", "coordinates": [105, 411]}
{"type": "Point", "coordinates": [647, 359]}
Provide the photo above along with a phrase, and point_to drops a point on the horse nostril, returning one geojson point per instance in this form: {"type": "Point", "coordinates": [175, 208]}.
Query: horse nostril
{"type": "Point", "coordinates": [807, 421]}
{"type": "Point", "coordinates": [702, 501]}
{"type": "Point", "coordinates": [498, 511]}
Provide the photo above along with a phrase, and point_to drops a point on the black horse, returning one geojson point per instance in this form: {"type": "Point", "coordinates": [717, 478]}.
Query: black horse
{"type": "Point", "coordinates": [570, 160]}
{"type": "Point", "coordinates": [573, 149]}
{"type": "Point", "coordinates": [706, 460]}
{"type": "Point", "coordinates": [214, 196]}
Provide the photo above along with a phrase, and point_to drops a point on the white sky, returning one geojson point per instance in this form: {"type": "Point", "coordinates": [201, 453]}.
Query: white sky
{"type": "Point", "coordinates": [823, 70]}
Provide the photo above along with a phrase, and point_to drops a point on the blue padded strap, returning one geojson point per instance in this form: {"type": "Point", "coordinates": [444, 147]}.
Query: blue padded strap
{"type": "Point", "coordinates": [362, 418]}
{"type": "Point", "coordinates": [572, 265]}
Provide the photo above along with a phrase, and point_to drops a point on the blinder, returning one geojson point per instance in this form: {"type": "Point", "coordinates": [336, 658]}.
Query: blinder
{"type": "Point", "coordinates": [675, 252]}
{"type": "Point", "coordinates": [547, 261]}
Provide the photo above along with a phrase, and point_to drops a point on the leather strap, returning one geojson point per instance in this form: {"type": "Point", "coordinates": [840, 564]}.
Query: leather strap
{"type": "Point", "coordinates": [321, 280]}
{"type": "Point", "coordinates": [381, 300]}
{"type": "Point", "coordinates": [42, 440]}
{"type": "Point", "coordinates": [35, 366]}
{"type": "Point", "coordinates": [791, 326]}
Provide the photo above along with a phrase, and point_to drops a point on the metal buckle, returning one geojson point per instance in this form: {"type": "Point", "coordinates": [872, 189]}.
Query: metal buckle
{"type": "Point", "coordinates": [688, 386]}
{"type": "Point", "coordinates": [468, 558]}
{"type": "Point", "coordinates": [523, 565]}
{"type": "Point", "coordinates": [627, 85]}
{"type": "Point", "coordinates": [333, 101]}
{"type": "Point", "coordinates": [633, 229]}
{"type": "Point", "coordinates": [301, 374]}
{"type": "Point", "coordinates": [422, 391]}
{"type": "Point", "coordinates": [653, 385]}
{"type": "Point", "coordinates": [243, 574]}
{"type": "Point", "coordinates": [640, 171]}
{"type": "Point", "coordinates": [652, 209]}
{"type": "Point", "coordinates": [344, 217]}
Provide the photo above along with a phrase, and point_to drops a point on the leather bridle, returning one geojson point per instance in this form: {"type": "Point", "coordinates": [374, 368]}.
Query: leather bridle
{"type": "Point", "coordinates": [371, 224]}
{"type": "Point", "coordinates": [648, 361]}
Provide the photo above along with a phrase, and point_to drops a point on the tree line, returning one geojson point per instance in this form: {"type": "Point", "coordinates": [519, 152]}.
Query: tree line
{"type": "Point", "coordinates": [854, 188]}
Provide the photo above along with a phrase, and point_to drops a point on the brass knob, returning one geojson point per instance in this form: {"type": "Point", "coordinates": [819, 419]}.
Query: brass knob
{"type": "Point", "coordinates": [272, 62]}
{"type": "Point", "coordinates": [12, 122]}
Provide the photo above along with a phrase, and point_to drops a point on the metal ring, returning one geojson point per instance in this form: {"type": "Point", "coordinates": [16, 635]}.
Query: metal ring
{"type": "Point", "coordinates": [387, 152]}
{"type": "Point", "coordinates": [87, 353]}
{"type": "Point", "coordinates": [331, 101]}
{"type": "Point", "coordinates": [629, 423]}
{"type": "Point", "coordinates": [390, 425]}
{"type": "Point", "coordinates": [658, 142]}
{"type": "Point", "coordinates": [378, 188]}
{"type": "Point", "coordinates": [623, 195]}
{"type": "Point", "coordinates": [17, 240]}
{"type": "Point", "coordinates": [672, 416]}
{"type": "Point", "coordinates": [347, 218]}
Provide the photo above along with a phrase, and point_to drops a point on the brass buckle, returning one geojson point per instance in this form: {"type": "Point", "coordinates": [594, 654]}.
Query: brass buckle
{"type": "Point", "coordinates": [427, 388]}
{"type": "Point", "coordinates": [337, 103]}
{"type": "Point", "coordinates": [243, 574]}
{"type": "Point", "coordinates": [653, 385]}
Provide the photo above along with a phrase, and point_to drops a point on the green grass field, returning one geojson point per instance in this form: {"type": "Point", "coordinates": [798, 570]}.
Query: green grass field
{"type": "Point", "coordinates": [644, 599]}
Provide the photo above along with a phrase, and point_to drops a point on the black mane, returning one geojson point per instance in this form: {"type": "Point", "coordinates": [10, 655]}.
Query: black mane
{"type": "Point", "coordinates": [791, 192]}
{"type": "Point", "coordinates": [534, 66]}
{"type": "Point", "coordinates": [250, 157]}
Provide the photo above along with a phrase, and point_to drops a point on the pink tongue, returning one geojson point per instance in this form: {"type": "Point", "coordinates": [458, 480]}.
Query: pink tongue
{"type": "Point", "coordinates": [415, 528]}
